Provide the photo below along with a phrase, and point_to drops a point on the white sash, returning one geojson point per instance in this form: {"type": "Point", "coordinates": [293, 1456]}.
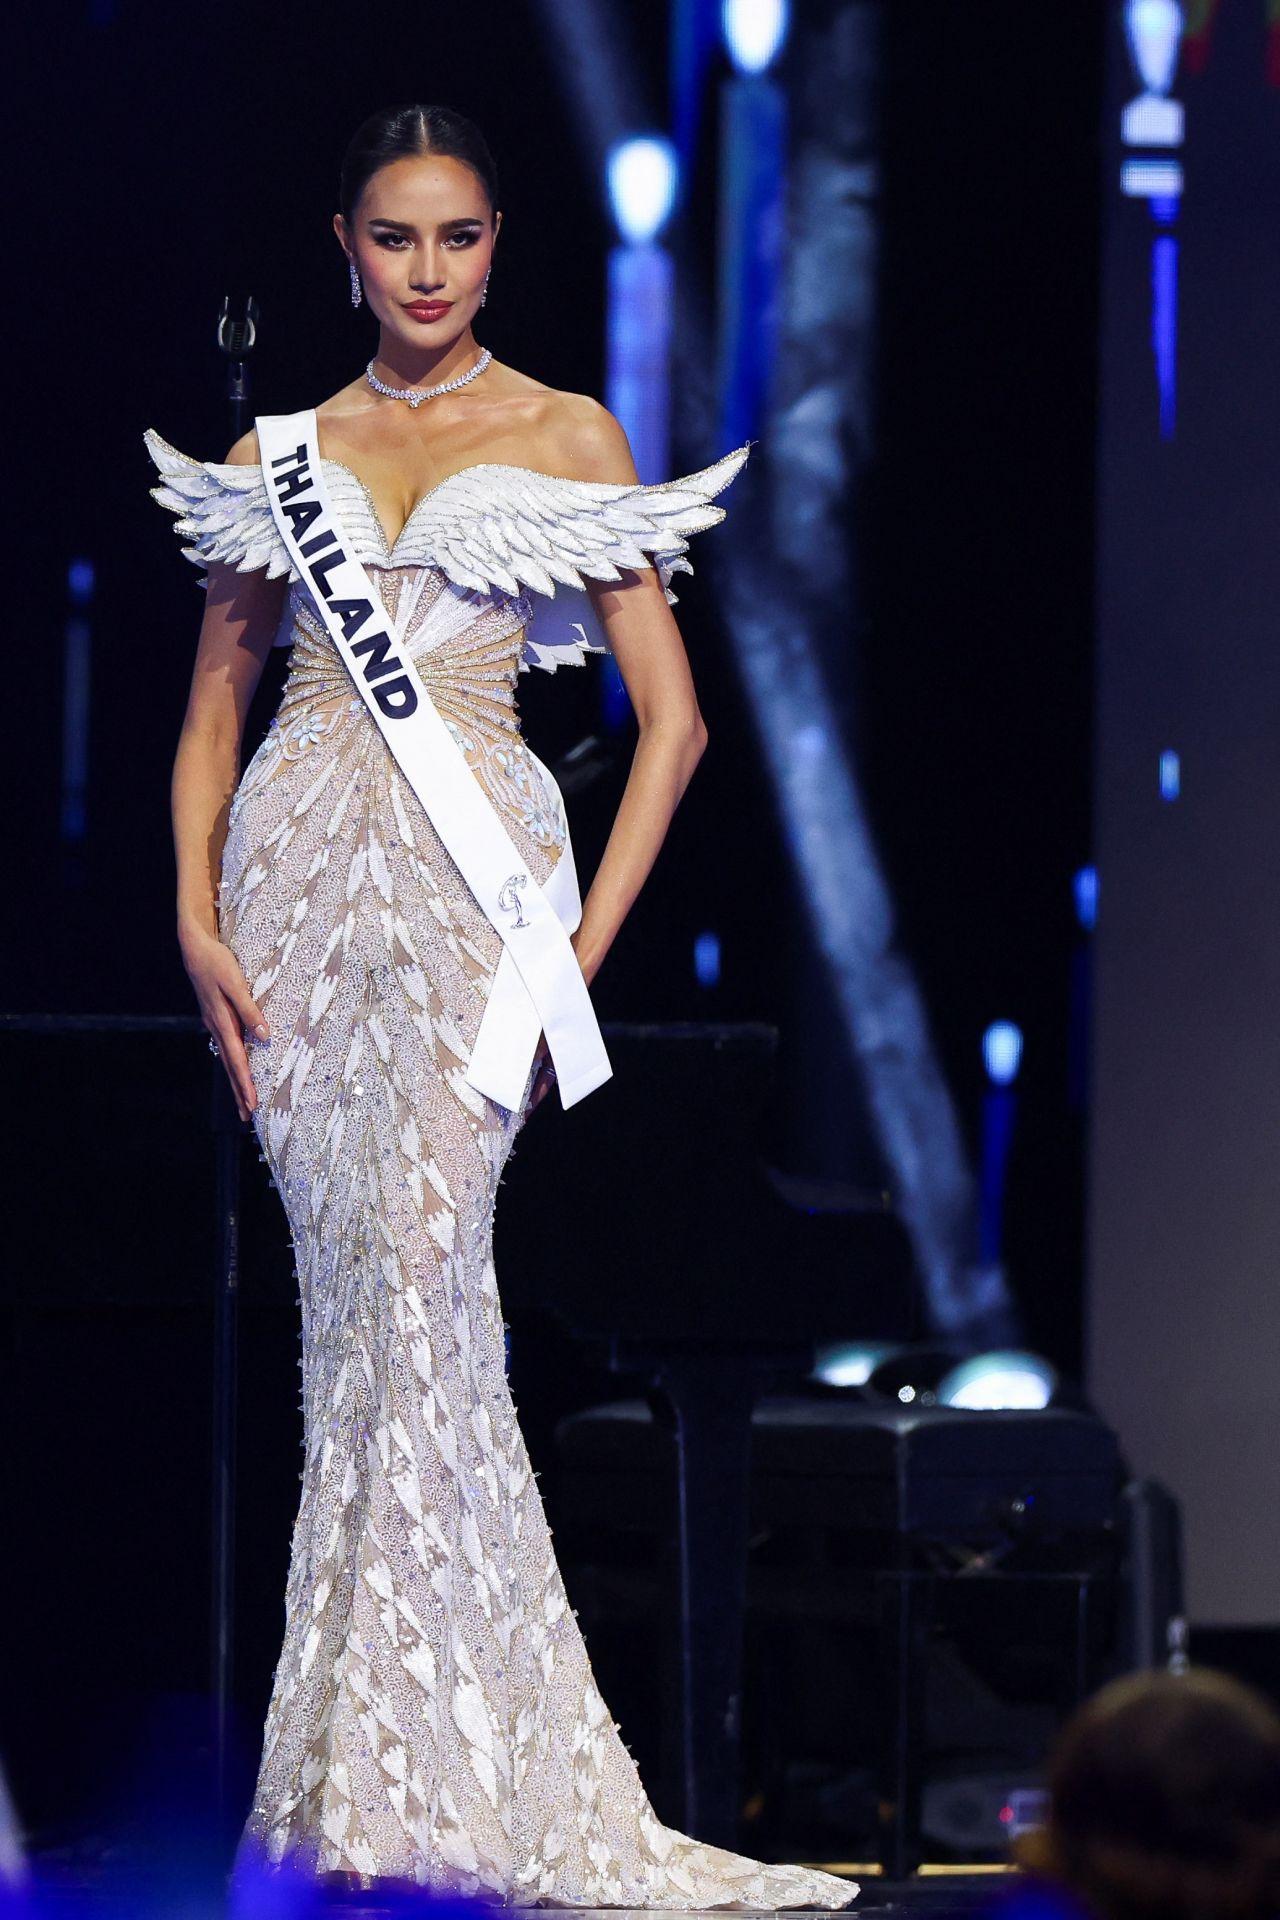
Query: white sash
{"type": "Point", "coordinates": [538, 986]}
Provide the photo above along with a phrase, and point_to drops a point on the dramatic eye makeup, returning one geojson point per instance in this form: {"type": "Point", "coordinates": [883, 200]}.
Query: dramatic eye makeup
{"type": "Point", "coordinates": [385, 235]}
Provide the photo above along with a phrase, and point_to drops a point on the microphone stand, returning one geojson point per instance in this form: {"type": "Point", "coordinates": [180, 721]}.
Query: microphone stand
{"type": "Point", "coordinates": [236, 338]}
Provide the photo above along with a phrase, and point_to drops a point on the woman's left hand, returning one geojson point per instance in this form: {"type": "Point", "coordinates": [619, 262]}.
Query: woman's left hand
{"type": "Point", "coordinates": [544, 1077]}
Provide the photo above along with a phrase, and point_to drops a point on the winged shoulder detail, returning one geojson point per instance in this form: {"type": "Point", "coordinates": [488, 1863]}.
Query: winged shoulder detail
{"type": "Point", "coordinates": [488, 528]}
{"type": "Point", "coordinates": [512, 528]}
{"type": "Point", "coordinates": [222, 510]}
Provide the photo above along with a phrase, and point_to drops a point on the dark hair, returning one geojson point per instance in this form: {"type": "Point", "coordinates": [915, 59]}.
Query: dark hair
{"type": "Point", "coordinates": [1165, 1801]}
{"type": "Point", "coordinates": [394, 133]}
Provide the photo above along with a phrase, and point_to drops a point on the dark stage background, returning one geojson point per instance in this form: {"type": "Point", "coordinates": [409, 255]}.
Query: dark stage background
{"type": "Point", "coordinates": [1185, 1204]}
{"type": "Point", "coordinates": [164, 157]}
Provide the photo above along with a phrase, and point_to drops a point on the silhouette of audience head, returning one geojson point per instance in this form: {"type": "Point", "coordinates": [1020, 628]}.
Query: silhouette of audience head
{"type": "Point", "coordinates": [1164, 1800]}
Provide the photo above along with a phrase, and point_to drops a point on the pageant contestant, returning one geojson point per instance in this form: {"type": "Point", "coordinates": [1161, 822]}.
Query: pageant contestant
{"type": "Point", "coordinates": [382, 924]}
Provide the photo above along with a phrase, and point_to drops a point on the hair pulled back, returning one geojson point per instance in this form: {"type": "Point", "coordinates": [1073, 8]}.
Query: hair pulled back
{"type": "Point", "coordinates": [397, 133]}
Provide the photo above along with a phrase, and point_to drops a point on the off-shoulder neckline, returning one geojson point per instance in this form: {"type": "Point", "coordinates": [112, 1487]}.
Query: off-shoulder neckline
{"type": "Point", "coordinates": [477, 466]}
{"type": "Point", "coordinates": [390, 548]}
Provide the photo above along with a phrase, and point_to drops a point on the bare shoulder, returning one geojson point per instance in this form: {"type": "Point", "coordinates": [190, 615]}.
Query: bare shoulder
{"type": "Point", "coordinates": [571, 434]}
{"type": "Point", "coordinates": [353, 399]}
{"type": "Point", "coordinates": [245, 451]}
{"type": "Point", "coordinates": [585, 441]}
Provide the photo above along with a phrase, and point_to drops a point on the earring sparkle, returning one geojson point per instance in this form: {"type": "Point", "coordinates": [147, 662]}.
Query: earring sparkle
{"type": "Point", "coordinates": [356, 294]}
{"type": "Point", "coordinates": [484, 291]}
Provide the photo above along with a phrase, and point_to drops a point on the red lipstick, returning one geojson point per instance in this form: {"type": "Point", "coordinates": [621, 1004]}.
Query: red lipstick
{"type": "Point", "coordinates": [429, 309]}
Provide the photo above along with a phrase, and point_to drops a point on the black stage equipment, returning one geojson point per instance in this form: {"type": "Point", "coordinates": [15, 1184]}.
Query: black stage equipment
{"type": "Point", "coordinates": [879, 1518]}
{"type": "Point", "coordinates": [1153, 1631]}
{"type": "Point", "coordinates": [237, 337]}
{"type": "Point", "coordinates": [128, 1101]}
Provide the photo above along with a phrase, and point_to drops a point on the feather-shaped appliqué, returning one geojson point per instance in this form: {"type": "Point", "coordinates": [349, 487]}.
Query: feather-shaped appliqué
{"type": "Point", "coordinates": [511, 528]}
{"type": "Point", "coordinates": [491, 529]}
{"type": "Point", "coordinates": [576, 531]}
{"type": "Point", "coordinates": [434, 1716]}
{"type": "Point", "coordinates": [222, 511]}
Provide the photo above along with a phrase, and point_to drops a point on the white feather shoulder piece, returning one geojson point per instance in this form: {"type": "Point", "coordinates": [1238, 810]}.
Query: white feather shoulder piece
{"type": "Point", "coordinates": [512, 529]}
{"type": "Point", "coordinates": [222, 511]}
{"type": "Point", "coordinates": [491, 529]}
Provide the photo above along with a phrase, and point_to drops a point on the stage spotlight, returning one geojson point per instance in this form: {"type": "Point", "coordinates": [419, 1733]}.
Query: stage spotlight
{"type": "Point", "coordinates": [910, 1375]}
{"type": "Point", "coordinates": [1085, 888]}
{"type": "Point", "coordinates": [1170, 775]}
{"type": "Point", "coordinates": [706, 959]}
{"type": "Point", "coordinates": [992, 1382]}
{"type": "Point", "coordinates": [1154, 30]}
{"type": "Point", "coordinates": [1002, 1052]}
{"type": "Point", "coordinates": [753, 32]}
{"type": "Point", "coordinates": [850, 1363]}
{"type": "Point", "coordinates": [642, 175]}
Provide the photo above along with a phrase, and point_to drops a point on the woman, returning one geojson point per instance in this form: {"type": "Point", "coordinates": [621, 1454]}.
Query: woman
{"type": "Point", "coordinates": [434, 1716]}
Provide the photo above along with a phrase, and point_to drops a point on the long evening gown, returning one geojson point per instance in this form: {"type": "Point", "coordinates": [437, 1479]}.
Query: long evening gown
{"type": "Point", "coordinates": [434, 1717]}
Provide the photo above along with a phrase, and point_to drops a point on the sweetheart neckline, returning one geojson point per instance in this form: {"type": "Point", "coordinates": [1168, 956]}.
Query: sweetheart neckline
{"type": "Point", "coordinates": [389, 546]}
{"type": "Point", "coordinates": [609, 489]}
{"type": "Point", "coordinates": [477, 466]}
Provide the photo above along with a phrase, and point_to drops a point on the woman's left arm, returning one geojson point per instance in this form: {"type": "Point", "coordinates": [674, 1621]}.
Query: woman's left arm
{"type": "Point", "coordinates": [673, 736]}
{"type": "Point", "coordinates": [654, 665]}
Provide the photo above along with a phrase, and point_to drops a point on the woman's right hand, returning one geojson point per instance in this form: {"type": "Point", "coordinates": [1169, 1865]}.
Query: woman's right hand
{"type": "Point", "coordinates": [227, 1007]}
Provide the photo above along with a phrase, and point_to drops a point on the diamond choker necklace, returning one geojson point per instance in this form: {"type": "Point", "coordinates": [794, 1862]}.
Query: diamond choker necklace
{"type": "Point", "coordinates": [416, 395]}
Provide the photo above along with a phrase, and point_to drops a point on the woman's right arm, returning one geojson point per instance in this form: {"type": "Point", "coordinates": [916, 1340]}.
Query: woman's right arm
{"type": "Point", "coordinates": [241, 616]}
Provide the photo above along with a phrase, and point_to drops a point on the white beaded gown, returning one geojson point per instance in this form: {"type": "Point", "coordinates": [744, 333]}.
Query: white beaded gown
{"type": "Point", "coordinates": [434, 1717]}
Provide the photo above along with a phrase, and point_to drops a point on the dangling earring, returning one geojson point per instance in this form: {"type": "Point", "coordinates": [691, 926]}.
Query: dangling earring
{"type": "Point", "coordinates": [355, 283]}
{"type": "Point", "coordinates": [484, 291]}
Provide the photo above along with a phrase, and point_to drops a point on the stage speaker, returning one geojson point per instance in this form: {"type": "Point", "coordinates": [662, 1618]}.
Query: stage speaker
{"type": "Point", "coordinates": [1153, 1625]}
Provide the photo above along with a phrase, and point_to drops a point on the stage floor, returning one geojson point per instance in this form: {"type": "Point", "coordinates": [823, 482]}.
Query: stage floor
{"type": "Point", "coordinates": [127, 1878]}
{"type": "Point", "coordinates": [941, 1896]}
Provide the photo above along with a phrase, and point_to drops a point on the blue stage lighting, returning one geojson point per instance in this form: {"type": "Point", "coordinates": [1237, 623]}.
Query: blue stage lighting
{"type": "Point", "coordinates": [706, 959]}
{"type": "Point", "coordinates": [1170, 775]}
{"type": "Point", "coordinates": [1002, 1052]}
{"type": "Point", "coordinates": [1085, 888]}
{"type": "Point", "coordinates": [849, 1363]}
{"type": "Point", "coordinates": [80, 581]}
{"type": "Point", "coordinates": [642, 175]}
{"type": "Point", "coordinates": [993, 1382]}
{"type": "Point", "coordinates": [1159, 181]}
{"type": "Point", "coordinates": [754, 30]}
{"type": "Point", "coordinates": [1154, 30]}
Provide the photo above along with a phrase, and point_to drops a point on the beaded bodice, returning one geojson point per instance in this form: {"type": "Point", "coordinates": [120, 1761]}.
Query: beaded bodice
{"type": "Point", "coordinates": [486, 579]}
{"type": "Point", "coordinates": [498, 530]}
{"type": "Point", "coordinates": [468, 657]}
